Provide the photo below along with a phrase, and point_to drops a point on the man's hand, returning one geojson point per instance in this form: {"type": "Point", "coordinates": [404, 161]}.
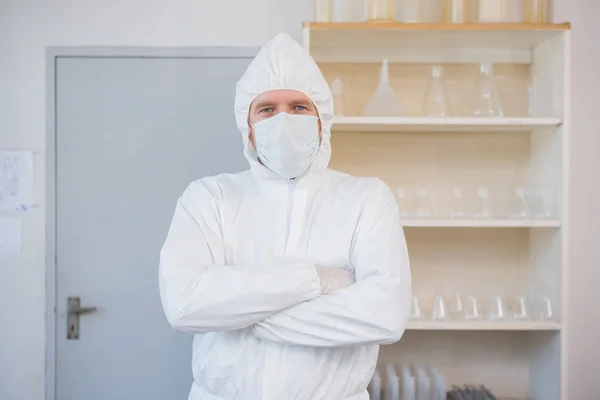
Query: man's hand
{"type": "Point", "coordinates": [334, 279]}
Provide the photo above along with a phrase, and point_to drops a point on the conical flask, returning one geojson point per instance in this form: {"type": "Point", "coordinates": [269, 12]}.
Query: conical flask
{"type": "Point", "coordinates": [436, 101]}
{"type": "Point", "coordinates": [486, 102]}
{"type": "Point", "coordinates": [385, 101]}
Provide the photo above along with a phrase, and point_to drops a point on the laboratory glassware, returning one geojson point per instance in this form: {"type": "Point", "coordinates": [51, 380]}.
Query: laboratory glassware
{"type": "Point", "coordinates": [472, 309]}
{"type": "Point", "coordinates": [542, 200]}
{"type": "Point", "coordinates": [456, 11]}
{"type": "Point", "coordinates": [456, 307]}
{"type": "Point", "coordinates": [385, 101]}
{"type": "Point", "coordinates": [497, 310]}
{"type": "Point", "coordinates": [323, 10]}
{"type": "Point", "coordinates": [412, 11]}
{"type": "Point", "coordinates": [535, 11]}
{"type": "Point", "coordinates": [402, 202]}
{"type": "Point", "coordinates": [522, 209]}
{"type": "Point", "coordinates": [484, 207]}
{"type": "Point", "coordinates": [348, 11]}
{"type": "Point", "coordinates": [542, 309]}
{"type": "Point", "coordinates": [337, 89]}
{"type": "Point", "coordinates": [439, 312]}
{"type": "Point", "coordinates": [492, 11]}
{"type": "Point", "coordinates": [381, 10]}
{"type": "Point", "coordinates": [457, 210]}
{"type": "Point", "coordinates": [436, 100]}
{"type": "Point", "coordinates": [486, 102]}
{"type": "Point", "coordinates": [520, 309]}
{"type": "Point", "coordinates": [423, 203]}
{"type": "Point", "coordinates": [416, 313]}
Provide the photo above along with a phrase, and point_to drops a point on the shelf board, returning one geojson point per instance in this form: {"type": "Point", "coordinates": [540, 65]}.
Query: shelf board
{"type": "Point", "coordinates": [479, 223]}
{"type": "Point", "coordinates": [484, 326]}
{"type": "Point", "coordinates": [427, 43]}
{"type": "Point", "coordinates": [477, 27]}
{"type": "Point", "coordinates": [451, 124]}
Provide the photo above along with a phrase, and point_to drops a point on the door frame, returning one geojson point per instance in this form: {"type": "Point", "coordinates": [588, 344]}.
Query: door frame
{"type": "Point", "coordinates": [53, 54]}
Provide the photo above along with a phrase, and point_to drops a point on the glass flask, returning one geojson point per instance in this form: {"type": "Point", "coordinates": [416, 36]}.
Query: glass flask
{"type": "Point", "coordinates": [486, 102]}
{"type": "Point", "coordinates": [483, 198]}
{"type": "Point", "coordinates": [439, 309]}
{"type": "Point", "coordinates": [337, 90]}
{"type": "Point", "coordinates": [472, 309]}
{"type": "Point", "coordinates": [498, 310]}
{"type": "Point", "coordinates": [381, 10]}
{"type": "Point", "coordinates": [535, 11]}
{"type": "Point", "coordinates": [457, 210]}
{"type": "Point", "coordinates": [520, 309]}
{"type": "Point", "coordinates": [323, 10]}
{"type": "Point", "coordinates": [542, 202]}
{"type": "Point", "coordinates": [456, 11]}
{"type": "Point", "coordinates": [385, 101]}
{"type": "Point", "coordinates": [416, 311]}
{"type": "Point", "coordinates": [436, 100]}
{"type": "Point", "coordinates": [492, 11]}
{"type": "Point", "coordinates": [423, 204]}
{"type": "Point", "coordinates": [522, 209]}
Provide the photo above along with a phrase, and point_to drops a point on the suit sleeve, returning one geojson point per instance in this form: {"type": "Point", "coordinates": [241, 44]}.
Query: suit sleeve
{"type": "Point", "coordinates": [199, 293]}
{"type": "Point", "coordinates": [372, 311]}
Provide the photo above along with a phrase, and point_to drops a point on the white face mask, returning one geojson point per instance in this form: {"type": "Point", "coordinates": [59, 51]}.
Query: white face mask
{"type": "Point", "coordinates": [287, 144]}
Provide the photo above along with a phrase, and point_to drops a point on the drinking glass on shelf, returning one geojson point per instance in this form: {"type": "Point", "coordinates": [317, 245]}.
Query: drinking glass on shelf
{"type": "Point", "coordinates": [457, 210]}
{"type": "Point", "coordinates": [436, 100]}
{"type": "Point", "coordinates": [486, 102]}
{"type": "Point", "coordinates": [423, 203]}
{"type": "Point", "coordinates": [483, 199]}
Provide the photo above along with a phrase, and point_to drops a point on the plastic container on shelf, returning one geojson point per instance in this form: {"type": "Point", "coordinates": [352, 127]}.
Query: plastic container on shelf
{"type": "Point", "coordinates": [456, 11]}
{"type": "Point", "coordinates": [492, 11]}
{"type": "Point", "coordinates": [381, 10]}
{"type": "Point", "coordinates": [535, 11]}
{"type": "Point", "coordinates": [323, 10]}
{"type": "Point", "coordinates": [385, 101]}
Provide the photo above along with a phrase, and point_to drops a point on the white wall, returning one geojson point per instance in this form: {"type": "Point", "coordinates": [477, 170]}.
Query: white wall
{"type": "Point", "coordinates": [28, 26]}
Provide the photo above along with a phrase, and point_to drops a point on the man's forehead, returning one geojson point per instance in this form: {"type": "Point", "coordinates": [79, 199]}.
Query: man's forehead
{"type": "Point", "coordinates": [275, 96]}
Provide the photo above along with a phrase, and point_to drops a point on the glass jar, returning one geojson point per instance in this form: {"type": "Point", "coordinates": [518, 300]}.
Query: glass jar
{"type": "Point", "coordinates": [381, 10]}
{"type": "Point", "coordinates": [535, 11]}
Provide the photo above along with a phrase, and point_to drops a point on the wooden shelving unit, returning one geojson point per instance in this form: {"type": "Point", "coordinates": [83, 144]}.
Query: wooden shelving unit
{"type": "Point", "coordinates": [527, 147]}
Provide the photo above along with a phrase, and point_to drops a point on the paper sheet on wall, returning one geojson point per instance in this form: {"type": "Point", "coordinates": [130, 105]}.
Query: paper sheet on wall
{"type": "Point", "coordinates": [10, 236]}
{"type": "Point", "coordinates": [16, 180]}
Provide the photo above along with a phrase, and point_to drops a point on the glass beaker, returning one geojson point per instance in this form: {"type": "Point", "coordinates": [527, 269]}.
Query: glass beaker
{"type": "Point", "coordinates": [522, 209]}
{"type": "Point", "coordinates": [483, 198]}
{"type": "Point", "coordinates": [381, 10]}
{"type": "Point", "coordinates": [486, 102]}
{"type": "Point", "coordinates": [337, 89]}
{"type": "Point", "coordinates": [456, 11]}
{"type": "Point", "coordinates": [436, 101]}
{"type": "Point", "coordinates": [323, 10]}
{"type": "Point", "coordinates": [535, 11]}
{"type": "Point", "coordinates": [457, 210]}
{"type": "Point", "coordinates": [423, 204]}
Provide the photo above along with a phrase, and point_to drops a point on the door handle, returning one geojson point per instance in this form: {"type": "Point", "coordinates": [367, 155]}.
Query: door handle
{"type": "Point", "coordinates": [74, 310]}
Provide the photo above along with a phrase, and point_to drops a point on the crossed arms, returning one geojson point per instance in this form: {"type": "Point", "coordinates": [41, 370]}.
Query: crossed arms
{"type": "Point", "coordinates": [282, 301]}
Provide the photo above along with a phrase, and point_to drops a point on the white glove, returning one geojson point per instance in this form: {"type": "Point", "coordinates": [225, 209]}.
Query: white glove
{"type": "Point", "coordinates": [334, 278]}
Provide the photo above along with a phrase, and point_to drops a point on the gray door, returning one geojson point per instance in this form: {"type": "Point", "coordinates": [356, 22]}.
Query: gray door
{"type": "Point", "coordinates": [131, 133]}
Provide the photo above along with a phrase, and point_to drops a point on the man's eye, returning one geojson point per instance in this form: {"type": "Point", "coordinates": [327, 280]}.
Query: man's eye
{"type": "Point", "coordinates": [301, 108]}
{"type": "Point", "coordinates": [266, 110]}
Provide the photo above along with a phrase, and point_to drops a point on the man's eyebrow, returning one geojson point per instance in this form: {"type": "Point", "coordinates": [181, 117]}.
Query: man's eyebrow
{"type": "Point", "coordinates": [302, 102]}
{"type": "Point", "coordinates": [261, 104]}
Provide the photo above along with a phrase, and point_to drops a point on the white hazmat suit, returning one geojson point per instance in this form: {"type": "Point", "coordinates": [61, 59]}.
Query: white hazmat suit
{"type": "Point", "coordinates": [239, 265]}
